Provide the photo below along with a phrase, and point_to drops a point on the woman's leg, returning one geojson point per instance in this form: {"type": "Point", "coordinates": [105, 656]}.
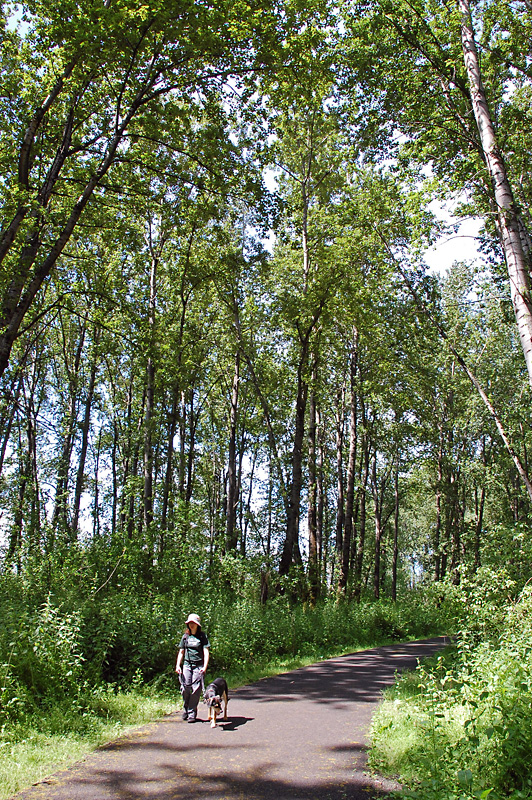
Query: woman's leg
{"type": "Point", "coordinates": [195, 692]}
{"type": "Point", "coordinates": [186, 688]}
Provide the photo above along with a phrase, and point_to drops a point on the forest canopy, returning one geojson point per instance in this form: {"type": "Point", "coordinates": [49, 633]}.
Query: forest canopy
{"type": "Point", "coordinates": [221, 348]}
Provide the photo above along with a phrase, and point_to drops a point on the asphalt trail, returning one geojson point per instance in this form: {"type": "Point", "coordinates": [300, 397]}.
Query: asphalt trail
{"type": "Point", "coordinates": [302, 735]}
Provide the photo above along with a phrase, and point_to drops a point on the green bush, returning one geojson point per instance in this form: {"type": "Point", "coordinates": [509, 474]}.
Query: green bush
{"type": "Point", "coordinates": [41, 661]}
{"type": "Point", "coordinates": [247, 632]}
{"type": "Point", "coordinates": [63, 649]}
{"type": "Point", "coordinates": [467, 718]}
{"type": "Point", "coordinates": [123, 634]}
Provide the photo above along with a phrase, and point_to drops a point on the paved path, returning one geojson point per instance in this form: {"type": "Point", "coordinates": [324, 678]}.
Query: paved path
{"type": "Point", "coordinates": [298, 736]}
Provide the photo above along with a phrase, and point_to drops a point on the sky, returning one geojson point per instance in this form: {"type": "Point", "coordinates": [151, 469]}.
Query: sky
{"type": "Point", "coordinates": [459, 246]}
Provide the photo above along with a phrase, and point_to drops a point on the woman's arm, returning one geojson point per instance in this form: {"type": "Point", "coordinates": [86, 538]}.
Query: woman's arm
{"type": "Point", "coordinates": [179, 661]}
{"type": "Point", "coordinates": [205, 659]}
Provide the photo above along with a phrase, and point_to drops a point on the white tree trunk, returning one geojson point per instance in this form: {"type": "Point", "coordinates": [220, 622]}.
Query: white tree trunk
{"type": "Point", "coordinates": [507, 214]}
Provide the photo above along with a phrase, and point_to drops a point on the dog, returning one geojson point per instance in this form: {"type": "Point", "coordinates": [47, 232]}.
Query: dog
{"type": "Point", "coordinates": [214, 695]}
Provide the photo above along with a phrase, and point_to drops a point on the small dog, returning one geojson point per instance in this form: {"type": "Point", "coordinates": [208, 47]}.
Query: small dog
{"type": "Point", "coordinates": [216, 693]}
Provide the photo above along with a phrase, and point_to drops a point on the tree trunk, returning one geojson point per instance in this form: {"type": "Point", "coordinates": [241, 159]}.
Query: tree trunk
{"type": "Point", "coordinates": [395, 554]}
{"type": "Point", "coordinates": [291, 543]}
{"type": "Point", "coordinates": [114, 509]}
{"type": "Point", "coordinates": [192, 423]}
{"type": "Point", "coordinates": [313, 571]}
{"type": "Point", "coordinates": [128, 455]}
{"type": "Point", "coordinates": [11, 411]}
{"type": "Point", "coordinates": [351, 471]}
{"type": "Point", "coordinates": [508, 218]}
{"type": "Point", "coordinates": [340, 432]}
{"type": "Point", "coordinates": [182, 445]}
{"type": "Point", "coordinates": [245, 524]}
{"type": "Point", "coordinates": [456, 526]}
{"type": "Point", "coordinates": [14, 553]}
{"type": "Point", "coordinates": [377, 504]}
{"type": "Point", "coordinates": [362, 527]}
{"type": "Point", "coordinates": [245, 510]}
{"type": "Point", "coordinates": [479, 507]}
{"type": "Point", "coordinates": [150, 408]}
{"type": "Point", "coordinates": [96, 502]}
{"type": "Point", "coordinates": [437, 533]}
{"type": "Point", "coordinates": [320, 509]}
{"type": "Point", "coordinates": [134, 487]}
{"type": "Point", "coordinates": [34, 527]}
{"type": "Point", "coordinates": [231, 533]}
{"type": "Point", "coordinates": [84, 443]}
{"type": "Point", "coordinates": [60, 513]}
{"type": "Point", "coordinates": [167, 501]}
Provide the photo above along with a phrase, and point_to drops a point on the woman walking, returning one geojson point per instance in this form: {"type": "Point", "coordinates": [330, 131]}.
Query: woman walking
{"type": "Point", "coordinates": [191, 665]}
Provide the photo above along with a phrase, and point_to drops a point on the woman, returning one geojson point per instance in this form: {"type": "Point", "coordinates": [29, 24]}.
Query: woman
{"type": "Point", "coordinates": [191, 665]}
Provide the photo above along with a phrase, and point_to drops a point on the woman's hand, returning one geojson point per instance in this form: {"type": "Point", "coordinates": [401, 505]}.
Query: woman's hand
{"type": "Point", "coordinates": [179, 661]}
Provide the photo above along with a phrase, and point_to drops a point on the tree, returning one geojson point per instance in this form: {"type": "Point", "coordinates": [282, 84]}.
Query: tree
{"type": "Point", "coordinates": [436, 42]}
{"type": "Point", "coordinates": [103, 79]}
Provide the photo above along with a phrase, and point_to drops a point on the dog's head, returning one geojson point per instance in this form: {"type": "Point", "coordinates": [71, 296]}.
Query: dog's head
{"type": "Point", "coordinates": [213, 700]}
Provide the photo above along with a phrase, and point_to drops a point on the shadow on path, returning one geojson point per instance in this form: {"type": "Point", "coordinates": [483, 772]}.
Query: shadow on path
{"type": "Point", "coordinates": [357, 677]}
{"type": "Point", "coordinates": [298, 736]}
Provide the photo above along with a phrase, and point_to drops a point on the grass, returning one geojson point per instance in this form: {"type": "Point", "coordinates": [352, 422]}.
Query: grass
{"type": "Point", "coordinates": [31, 751]}
{"type": "Point", "coordinates": [409, 734]}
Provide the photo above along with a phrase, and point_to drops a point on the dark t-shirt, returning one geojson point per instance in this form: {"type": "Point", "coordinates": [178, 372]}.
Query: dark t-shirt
{"type": "Point", "coordinates": [193, 647]}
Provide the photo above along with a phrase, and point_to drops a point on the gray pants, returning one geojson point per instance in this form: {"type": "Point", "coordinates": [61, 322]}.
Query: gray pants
{"type": "Point", "coordinates": [191, 686]}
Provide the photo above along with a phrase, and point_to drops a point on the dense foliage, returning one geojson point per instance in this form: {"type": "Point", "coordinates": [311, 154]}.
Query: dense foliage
{"type": "Point", "coordinates": [461, 726]}
{"type": "Point", "coordinates": [229, 380]}
{"type": "Point", "coordinates": [62, 653]}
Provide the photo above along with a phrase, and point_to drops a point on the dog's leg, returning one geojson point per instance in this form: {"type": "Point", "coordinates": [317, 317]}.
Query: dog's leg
{"type": "Point", "coordinates": [213, 723]}
{"type": "Point", "coordinates": [209, 714]}
{"type": "Point", "coordinates": [226, 700]}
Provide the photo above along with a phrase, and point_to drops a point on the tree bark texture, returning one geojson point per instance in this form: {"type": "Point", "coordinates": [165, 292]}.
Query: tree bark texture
{"type": "Point", "coordinates": [377, 509]}
{"type": "Point", "coordinates": [508, 217]}
{"type": "Point", "coordinates": [150, 404]}
{"type": "Point", "coordinates": [340, 432]}
{"type": "Point", "coordinates": [313, 570]}
{"type": "Point", "coordinates": [351, 470]}
{"type": "Point", "coordinates": [395, 553]}
{"type": "Point", "coordinates": [359, 559]}
{"type": "Point", "coordinates": [291, 543]}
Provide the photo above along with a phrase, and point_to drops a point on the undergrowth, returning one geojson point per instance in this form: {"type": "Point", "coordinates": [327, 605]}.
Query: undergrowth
{"type": "Point", "coordinates": [460, 726]}
{"type": "Point", "coordinates": [76, 674]}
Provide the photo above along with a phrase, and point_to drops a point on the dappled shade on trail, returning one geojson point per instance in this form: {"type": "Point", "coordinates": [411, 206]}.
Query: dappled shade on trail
{"type": "Point", "coordinates": [301, 735]}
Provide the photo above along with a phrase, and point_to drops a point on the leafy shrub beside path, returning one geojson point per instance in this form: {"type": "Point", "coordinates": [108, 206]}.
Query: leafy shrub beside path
{"type": "Point", "coordinates": [461, 727]}
{"type": "Point", "coordinates": [55, 654]}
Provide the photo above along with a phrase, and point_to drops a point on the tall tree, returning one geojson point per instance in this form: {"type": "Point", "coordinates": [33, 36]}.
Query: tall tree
{"type": "Point", "coordinates": [103, 78]}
